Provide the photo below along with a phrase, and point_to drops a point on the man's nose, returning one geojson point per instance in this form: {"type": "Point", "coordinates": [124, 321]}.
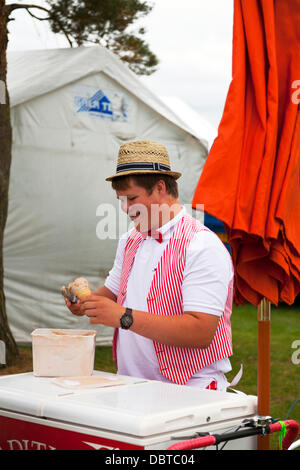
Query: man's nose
{"type": "Point", "coordinates": [124, 205]}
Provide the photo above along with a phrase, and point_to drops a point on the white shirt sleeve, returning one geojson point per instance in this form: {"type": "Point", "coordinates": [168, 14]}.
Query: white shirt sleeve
{"type": "Point", "coordinates": [207, 274]}
{"type": "Point", "coordinates": [113, 279]}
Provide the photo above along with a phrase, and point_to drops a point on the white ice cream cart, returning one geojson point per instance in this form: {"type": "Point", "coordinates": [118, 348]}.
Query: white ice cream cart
{"type": "Point", "coordinates": [127, 413]}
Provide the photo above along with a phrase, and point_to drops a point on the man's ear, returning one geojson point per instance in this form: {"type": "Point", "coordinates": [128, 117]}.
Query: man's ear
{"type": "Point", "coordinates": [161, 187]}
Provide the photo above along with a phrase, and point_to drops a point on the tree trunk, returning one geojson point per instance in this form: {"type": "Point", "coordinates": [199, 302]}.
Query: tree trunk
{"type": "Point", "coordinates": [5, 160]}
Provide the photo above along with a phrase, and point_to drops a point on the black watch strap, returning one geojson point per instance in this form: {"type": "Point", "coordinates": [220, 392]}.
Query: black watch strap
{"type": "Point", "coordinates": [126, 319]}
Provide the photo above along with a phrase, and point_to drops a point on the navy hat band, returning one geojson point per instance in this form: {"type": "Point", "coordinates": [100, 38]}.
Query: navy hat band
{"type": "Point", "coordinates": [143, 166]}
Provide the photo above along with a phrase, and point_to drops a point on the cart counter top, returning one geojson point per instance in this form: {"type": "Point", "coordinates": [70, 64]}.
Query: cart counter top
{"type": "Point", "coordinates": [133, 406]}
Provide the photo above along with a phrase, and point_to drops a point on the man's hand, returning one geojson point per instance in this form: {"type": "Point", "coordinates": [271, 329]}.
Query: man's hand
{"type": "Point", "coordinates": [74, 308]}
{"type": "Point", "coordinates": [101, 310]}
{"type": "Point", "coordinates": [102, 291]}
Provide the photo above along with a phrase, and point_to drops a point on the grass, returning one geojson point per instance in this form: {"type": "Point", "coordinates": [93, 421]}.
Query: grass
{"type": "Point", "coordinates": [285, 375]}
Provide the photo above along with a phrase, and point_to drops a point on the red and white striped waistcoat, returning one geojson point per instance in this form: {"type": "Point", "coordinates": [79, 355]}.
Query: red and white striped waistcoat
{"type": "Point", "coordinates": [165, 298]}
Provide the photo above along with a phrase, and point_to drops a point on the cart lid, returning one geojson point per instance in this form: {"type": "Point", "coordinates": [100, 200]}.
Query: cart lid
{"type": "Point", "coordinates": [28, 394]}
{"type": "Point", "coordinates": [137, 408]}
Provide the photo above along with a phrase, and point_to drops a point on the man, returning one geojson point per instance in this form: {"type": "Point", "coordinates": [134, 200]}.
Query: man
{"type": "Point", "coordinates": [169, 293]}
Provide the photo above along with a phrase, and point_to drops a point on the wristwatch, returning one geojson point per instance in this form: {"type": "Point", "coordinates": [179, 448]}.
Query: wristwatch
{"type": "Point", "coordinates": [126, 319]}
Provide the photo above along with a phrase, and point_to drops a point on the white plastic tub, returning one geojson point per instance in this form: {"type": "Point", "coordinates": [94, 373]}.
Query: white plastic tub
{"type": "Point", "coordinates": [63, 353]}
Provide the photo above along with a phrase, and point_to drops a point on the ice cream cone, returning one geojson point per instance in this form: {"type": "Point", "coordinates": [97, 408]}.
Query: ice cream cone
{"type": "Point", "coordinates": [82, 293]}
{"type": "Point", "coordinates": [80, 288]}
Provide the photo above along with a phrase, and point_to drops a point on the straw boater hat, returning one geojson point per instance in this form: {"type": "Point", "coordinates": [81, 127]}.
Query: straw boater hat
{"type": "Point", "coordinates": [143, 157]}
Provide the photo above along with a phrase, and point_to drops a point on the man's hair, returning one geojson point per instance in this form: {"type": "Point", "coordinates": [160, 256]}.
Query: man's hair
{"type": "Point", "coordinates": [146, 181]}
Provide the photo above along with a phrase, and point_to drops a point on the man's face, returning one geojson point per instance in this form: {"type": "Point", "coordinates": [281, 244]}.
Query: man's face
{"type": "Point", "coordinates": [141, 207]}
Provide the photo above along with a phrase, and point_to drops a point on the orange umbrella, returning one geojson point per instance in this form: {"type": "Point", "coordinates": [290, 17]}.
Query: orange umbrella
{"type": "Point", "coordinates": [251, 179]}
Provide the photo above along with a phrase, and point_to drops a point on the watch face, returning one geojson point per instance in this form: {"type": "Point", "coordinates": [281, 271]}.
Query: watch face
{"type": "Point", "coordinates": [126, 321]}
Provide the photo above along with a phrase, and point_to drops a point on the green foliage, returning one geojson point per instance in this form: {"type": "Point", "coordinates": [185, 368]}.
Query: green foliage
{"type": "Point", "coordinates": [106, 22]}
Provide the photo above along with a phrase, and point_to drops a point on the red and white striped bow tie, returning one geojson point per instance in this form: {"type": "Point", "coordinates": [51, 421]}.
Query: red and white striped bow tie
{"type": "Point", "coordinates": [153, 234]}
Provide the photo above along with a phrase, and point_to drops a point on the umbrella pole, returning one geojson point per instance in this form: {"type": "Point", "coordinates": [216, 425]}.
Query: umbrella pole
{"type": "Point", "coordinates": [263, 366]}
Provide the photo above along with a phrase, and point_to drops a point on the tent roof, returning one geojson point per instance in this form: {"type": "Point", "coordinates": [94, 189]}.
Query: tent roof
{"type": "Point", "coordinates": [36, 72]}
{"type": "Point", "coordinates": [193, 118]}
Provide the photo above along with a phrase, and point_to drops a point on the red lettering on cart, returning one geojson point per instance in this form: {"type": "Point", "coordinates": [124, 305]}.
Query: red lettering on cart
{"type": "Point", "coordinates": [18, 434]}
{"type": "Point", "coordinates": [25, 444]}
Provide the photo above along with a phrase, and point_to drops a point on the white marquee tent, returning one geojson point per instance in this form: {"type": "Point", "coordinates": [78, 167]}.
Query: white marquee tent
{"type": "Point", "coordinates": [71, 109]}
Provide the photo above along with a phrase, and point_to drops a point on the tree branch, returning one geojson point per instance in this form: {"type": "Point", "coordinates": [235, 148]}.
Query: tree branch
{"type": "Point", "coordinates": [37, 17]}
{"type": "Point", "coordinates": [28, 6]}
{"type": "Point", "coordinates": [17, 6]}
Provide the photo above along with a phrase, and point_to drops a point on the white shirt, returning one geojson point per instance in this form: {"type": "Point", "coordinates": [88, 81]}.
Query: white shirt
{"type": "Point", "coordinates": [207, 274]}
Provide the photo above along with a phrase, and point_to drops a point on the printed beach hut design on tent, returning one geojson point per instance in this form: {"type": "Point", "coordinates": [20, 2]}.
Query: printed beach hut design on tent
{"type": "Point", "coordinates": [71, 109]}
